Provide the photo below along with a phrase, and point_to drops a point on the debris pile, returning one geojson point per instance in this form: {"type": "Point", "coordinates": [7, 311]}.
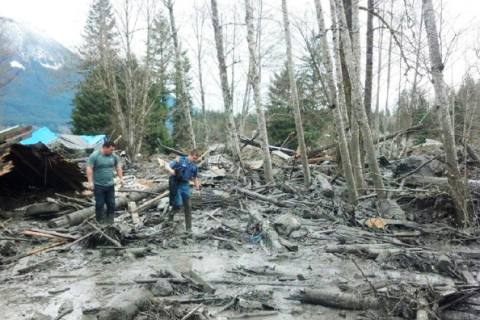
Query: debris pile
{"type": "Point", "coordinates": [257, 250]}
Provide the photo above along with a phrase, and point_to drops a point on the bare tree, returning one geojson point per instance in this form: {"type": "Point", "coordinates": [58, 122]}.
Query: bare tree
{"type": "Point", "coordinates": [254, 79]}
{"type": "Point", "coordinates": [227, 96]}
{"type": "Point", "coordinates": [345, 100]}
{"type": "Point", "coordinates": [441, 105]}
{"type": "Point", "coordinates": [333, 102]}
{"type": "Point", "coordinates": [351, 56]}
{"type": "Point", "coordinates": [198, 28]}
{"type": "Point", "coordinates": [294, 96]}
{"type": "Point", "coordinates": [369, 64]}
{"type": "Point", "coordinates": [181, 74]}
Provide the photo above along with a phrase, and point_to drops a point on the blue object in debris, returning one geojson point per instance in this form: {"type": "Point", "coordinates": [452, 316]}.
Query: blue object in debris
{"type": "Point", "coordinates": [257, 238]}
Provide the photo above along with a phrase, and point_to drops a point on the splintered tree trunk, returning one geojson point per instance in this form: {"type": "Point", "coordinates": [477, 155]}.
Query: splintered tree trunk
{"type": "Point", "coordinates": [294, 98]}
{"type": "Point", "coordinates": [334, 105]}
{"type": "Point", "coordinates": [441, 100]}
{"type": "Point", "coordinates": [227, 96]}
{"type": "Point", "coordinates": [254, 80]}
{"type": "Point", "coordinates": [181, 75]}
{"type": "Point", "coordinates": [357, 101]}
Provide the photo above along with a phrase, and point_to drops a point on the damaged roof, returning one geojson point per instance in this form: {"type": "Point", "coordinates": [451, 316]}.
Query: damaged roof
{"type": "Point", "coordinates": [23, 167]}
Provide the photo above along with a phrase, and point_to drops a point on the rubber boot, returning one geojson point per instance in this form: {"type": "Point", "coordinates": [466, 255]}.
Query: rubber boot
{"type": "Point", "coordinates": [188, 214]}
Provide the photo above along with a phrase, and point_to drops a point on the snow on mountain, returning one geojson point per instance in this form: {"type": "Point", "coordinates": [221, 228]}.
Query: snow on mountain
{"type": "Point", "coordinates": [42, 90]}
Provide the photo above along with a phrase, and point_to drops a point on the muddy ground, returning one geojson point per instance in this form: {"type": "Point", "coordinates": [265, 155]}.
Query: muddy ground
{"type": "Point", "coordinates": [89, 278]}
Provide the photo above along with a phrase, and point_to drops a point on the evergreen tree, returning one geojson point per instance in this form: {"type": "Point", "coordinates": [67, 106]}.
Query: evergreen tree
{"type": "Point", "coordinates": [100, 37]}
{"type": "Point", "coordinates": [279, 114]}
{"type": "Point", "coordinates": [92, 109]}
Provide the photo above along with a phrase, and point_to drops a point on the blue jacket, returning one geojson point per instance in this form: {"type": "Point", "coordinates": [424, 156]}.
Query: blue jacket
{"type": "Point", "coordinates": [190, 168]}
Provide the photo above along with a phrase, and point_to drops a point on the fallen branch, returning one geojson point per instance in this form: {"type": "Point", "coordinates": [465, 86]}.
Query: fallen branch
{"type": "Point", "coordinates": [254, 315]}
{"type": "Point", "coordinates": [336, 299]}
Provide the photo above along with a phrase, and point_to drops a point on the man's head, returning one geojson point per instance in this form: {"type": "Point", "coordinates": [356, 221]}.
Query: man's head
{"type": "Point", "coordinates": [108, 148]}
{"type": "Point", "coordinates": [193, 156]}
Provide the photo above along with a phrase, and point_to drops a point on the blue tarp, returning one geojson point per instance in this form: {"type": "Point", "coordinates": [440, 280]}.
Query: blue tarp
{"type": "Point", "coordinates": [46, 136]}
{"type": "Point", "coordinates": [43, 135]}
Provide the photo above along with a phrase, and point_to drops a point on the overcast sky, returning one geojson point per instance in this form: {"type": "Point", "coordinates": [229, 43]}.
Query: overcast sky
{"type": "Point", "coordinates": [64, 21]}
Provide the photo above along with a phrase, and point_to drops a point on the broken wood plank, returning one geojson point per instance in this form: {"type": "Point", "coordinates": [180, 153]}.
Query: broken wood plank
{"type": "Point", "coordinates": [41, 234]}
{"type": "Point", "coordinates": [208, 288]}
{"type": "Point", "coordinates": [55, 233]}
{"type": "Point", "coordinates": [151, 203]}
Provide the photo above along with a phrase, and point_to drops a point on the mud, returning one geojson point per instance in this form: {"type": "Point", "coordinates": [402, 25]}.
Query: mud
{"type": "Point", "coordinates": [89, 279]}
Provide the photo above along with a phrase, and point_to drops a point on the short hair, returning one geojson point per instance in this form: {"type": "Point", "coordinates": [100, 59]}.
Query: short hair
{"type": "Point", "coordinates": [194, 152]}
{"type": "Point", "coordinates": [108, 144]}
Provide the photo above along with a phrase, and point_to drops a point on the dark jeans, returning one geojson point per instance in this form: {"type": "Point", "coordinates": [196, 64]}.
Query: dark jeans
{"type": "Point", "coordinates": [104, 195]}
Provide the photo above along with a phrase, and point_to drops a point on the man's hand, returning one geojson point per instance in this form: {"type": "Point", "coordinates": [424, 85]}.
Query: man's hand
{"type": "Point", "coordinates": [121, 181]}
{"type": "Point", "coordinates": [198, 191]}
{"type": "Point", "coordinates": [90, 186]}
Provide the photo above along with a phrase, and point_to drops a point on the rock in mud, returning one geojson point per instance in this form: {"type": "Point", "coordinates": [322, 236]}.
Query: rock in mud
{"type": "Point", "coordinates": [125, 305]}
{"type": "Point", "coordinates": [286, 224]}
{"type": "Point", "coordinates": [7, 248]}
{"type": "Point", "coordinates": [162, 288]}
{"type": "Point", "coordinates": [40, 316]}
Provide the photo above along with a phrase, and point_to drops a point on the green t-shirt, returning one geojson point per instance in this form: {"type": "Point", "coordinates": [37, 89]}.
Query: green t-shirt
{"type": "Point", "coordinates": [102, 168]}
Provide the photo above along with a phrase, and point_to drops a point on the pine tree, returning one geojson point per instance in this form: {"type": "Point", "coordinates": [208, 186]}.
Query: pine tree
{"type": "Point", "coordinates": [91, 111]}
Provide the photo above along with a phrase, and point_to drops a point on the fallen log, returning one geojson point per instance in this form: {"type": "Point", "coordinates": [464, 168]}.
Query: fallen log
{"type": "Point", "coordinates": [418, 180]}
{"type": "Point", "coordinates": [263, 283]}
{"type": "Point", "coordinates": [125, 305]}
{"type": "Point", "coordinates": [334, 298]}
{"type": "Point", "coordinates": [264, 198]}
{"type": "Point", "coordinates": [38, 208]}
{"type": "Point", "coordinates": [271, 148]}
{"type": "Point", "coordinates": [254, 315]}
{"type": "Point", "coordinates": [75, 218]}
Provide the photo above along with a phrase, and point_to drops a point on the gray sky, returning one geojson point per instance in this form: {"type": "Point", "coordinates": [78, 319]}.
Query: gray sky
{"type": "Point", "coordinates": [64, 20]}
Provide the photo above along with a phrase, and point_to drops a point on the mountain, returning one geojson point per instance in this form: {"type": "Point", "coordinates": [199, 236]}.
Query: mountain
{"type": "Point", "coordinates": [41, 92]}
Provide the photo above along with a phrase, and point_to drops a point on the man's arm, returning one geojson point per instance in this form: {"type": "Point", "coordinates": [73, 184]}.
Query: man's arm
{"type": "Point", "coordinates": [196, 183]}
{"type": "Point", "coordinates": [118, 168]}
{"type": "Point", "coordinates": [171, 167]}
{"type": "Point", "coordinates": [90, 177]}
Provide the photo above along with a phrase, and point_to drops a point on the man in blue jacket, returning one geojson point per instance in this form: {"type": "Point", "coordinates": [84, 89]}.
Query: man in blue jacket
{"type": "Point", "coordinates": [184, 169]}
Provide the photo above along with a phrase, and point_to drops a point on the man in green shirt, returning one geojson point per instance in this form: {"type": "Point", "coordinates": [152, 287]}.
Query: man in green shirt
{"type": "Point", "coordinates": [100, 167]}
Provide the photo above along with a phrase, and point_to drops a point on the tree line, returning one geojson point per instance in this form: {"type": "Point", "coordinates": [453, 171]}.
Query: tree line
{"type": "Point", "coordinates": [330, 83]}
